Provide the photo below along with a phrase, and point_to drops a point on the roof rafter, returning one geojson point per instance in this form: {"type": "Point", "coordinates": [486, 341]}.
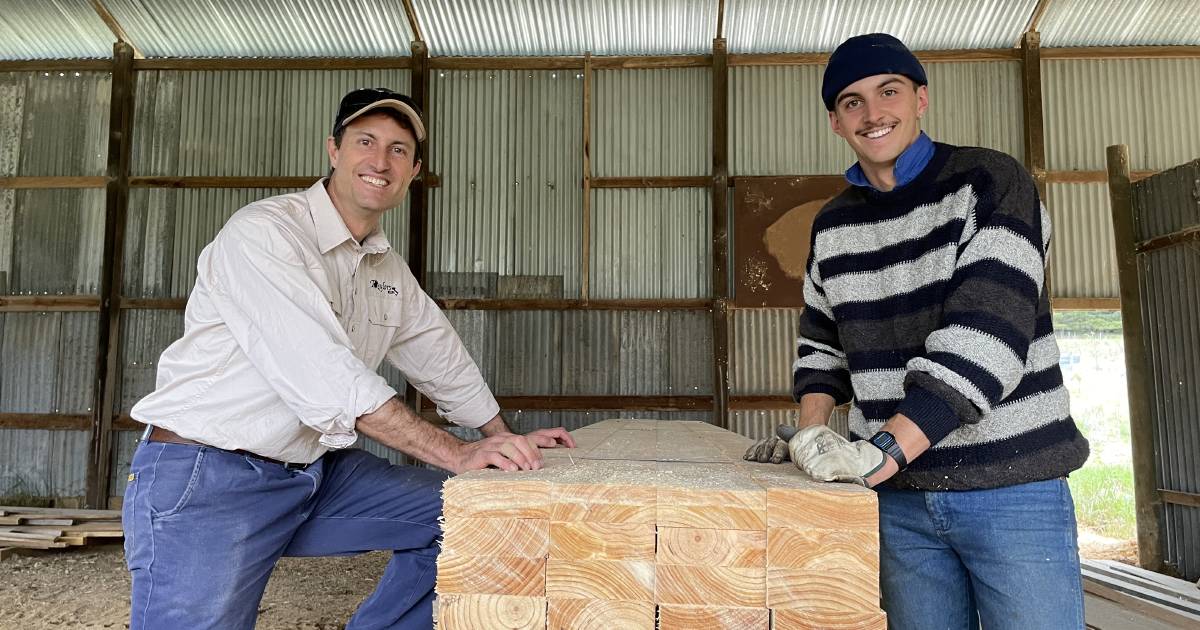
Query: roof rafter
{"type": "Point", "coordinates": [115, 26]}
{"type": "Point", "coordinates": [412, 21]}
{"type": "Point", "coordinates": [1035, 18]}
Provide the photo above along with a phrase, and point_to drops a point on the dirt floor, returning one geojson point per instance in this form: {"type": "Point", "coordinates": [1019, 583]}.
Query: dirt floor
{"type": "Point", "coordinates": [89, 587]}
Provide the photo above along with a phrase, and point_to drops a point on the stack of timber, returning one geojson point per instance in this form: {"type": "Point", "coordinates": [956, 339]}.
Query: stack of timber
{"type": "Point", "coordinates": [657, 525]}
{"type": "Point", "coordinates": [1121, 596]}
{"type": "Point", "coordinates": [54, 528]}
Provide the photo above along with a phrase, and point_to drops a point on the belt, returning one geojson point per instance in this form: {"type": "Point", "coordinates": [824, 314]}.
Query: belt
{"type": "Point", "coordinates": [159, 434]}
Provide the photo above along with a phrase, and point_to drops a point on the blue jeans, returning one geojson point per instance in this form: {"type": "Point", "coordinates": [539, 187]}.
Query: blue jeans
{"type": "Point", "coordinates": [1007, 558]}
{"type": "Point", "coordinates": [204, 528]}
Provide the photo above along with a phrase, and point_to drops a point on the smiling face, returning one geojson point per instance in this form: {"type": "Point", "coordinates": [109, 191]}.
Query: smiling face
{"type": "Point", "coordinates": [879, 117]}
{"type": "Point", "coordinates": [373, 166]}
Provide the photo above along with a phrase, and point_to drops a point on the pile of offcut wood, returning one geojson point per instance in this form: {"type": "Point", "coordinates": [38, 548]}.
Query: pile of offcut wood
{"type": "Point", "coordinates": [50, 528]}
{"type": "Point", "coordinates": [657, 524]}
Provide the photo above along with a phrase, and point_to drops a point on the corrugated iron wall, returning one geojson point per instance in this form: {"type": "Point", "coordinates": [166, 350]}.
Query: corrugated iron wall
{"type": "Point", "coordinates": [1164, 204]}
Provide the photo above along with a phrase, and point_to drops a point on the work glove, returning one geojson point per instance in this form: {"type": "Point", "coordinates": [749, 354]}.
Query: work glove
{"type": "Point", "coordinates": [827, 456]}
{"type": "Point", "coordinates": [772, 449]}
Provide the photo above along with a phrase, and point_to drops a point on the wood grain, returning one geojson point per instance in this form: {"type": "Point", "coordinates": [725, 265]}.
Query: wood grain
{"type": "Point", "coordinates": [673, 617]}
{"type": "Point", "coordinates": [599, 614]}
{"type": "Point", "coordinates": [600, 579]}
{"type": "Point", "coordinates": [518, 538]}
{"type": "Point", "coordinates": [829, 620]}
{"type": "Point", "coordinates": [602, 541]}
{"type": "Point", "coordinates": [709, 496]}
{"type": "Point", "coordinates": [794, 500]}
{"type": "Point", "coordinates": [468, 575]}
{"type": "Point", "coordinates": [817, 550]}
{"type": "Point", "coordinates": [711, 586]}
{"type": "Point", "coordinates": [494, 612]}
{"type": "Point", "coordinates": [834, 590]}
{"type": "Point", "coordinates": [712, 547]}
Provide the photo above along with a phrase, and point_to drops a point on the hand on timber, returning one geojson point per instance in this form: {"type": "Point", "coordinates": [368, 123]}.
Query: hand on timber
{"type": "Point", "coordinates": [551, 438]}
{"type": "Point", "coordinates": [827, 456]}
{"type": "Point", "coordinates": [506, 451]}
{"type": "Point", "coordinates": [772, 449]}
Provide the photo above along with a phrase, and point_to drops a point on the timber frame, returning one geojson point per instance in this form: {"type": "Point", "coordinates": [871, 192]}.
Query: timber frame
{"type": "Point", "coordinates": [127, 63]}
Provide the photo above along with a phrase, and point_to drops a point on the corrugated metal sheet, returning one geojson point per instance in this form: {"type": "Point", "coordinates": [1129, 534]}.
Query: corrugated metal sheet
{"type": "Point", "coordinates": [652, 122]}
{"type": "Point", "coordinates": [508, 148]}
{"type": "Point", "coordinates": [38, 463]}
{"type": "Point", "coordinates": [538, 27]}
{"type": "Point", "coordinates": [243, 123]}
{"type": "Point", "coordinates": [265, 28]}
{"type": "Point", "coordinates": [651, 243]}
{"type": "Point", "coordinates": [1171, 311]}
{"type": "Point", "coordinates": [760, 424]}
{"type": "Point", "coordinates": [49, 362]}
{"type": "Point", "coordinates": [764, 349]}
{"type": "Point", "coordinates": [1091, 104]}
{"type": "Point", "coordinates": [58, 119]}
{"type": "Point", "coordinates": [780, 127]}
{"type": "Point", "coordinates": [820, 25]}
{"type": "Point", "coordinates": [56, 240]}
{"type": "Point", "coordinates": [1082, 254]}
{"type": "Point", "coordinates": [144, 335]}
{"type": "Point", "coordinates": [63, 29]}
{"type": "Point", "coordinates": [1120, 23]}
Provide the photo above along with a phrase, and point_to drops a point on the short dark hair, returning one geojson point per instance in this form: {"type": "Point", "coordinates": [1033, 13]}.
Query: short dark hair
{"type": "Point", "coordinates": [400, 119]}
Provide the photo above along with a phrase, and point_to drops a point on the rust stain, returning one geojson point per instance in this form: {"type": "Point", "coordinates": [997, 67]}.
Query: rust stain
{"type": "Point", "coordinates": [787, 238]}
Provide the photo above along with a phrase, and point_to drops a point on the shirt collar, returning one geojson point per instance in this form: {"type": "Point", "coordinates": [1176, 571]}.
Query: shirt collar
{"type": "Point", "coordinates": [911, 162]}
{"type": "Point", "coordinates": [332, 231]}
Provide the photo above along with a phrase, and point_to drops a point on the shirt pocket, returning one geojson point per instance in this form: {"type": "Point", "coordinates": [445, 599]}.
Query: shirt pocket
{"type": "Point", "coordinates": [385, 311]}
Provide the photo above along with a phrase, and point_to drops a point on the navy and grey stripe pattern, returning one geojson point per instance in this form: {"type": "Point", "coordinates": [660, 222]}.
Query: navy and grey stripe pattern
{"type": "Point", "coordinates": [929, 300]}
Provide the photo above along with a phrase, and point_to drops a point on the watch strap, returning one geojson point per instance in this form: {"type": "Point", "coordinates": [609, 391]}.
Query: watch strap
{"type": "Point", "coordinates": [886, 442]}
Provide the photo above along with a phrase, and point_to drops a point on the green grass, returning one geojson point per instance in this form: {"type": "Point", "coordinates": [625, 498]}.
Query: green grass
{"type": "Point", "coordinates": [1103, 496]}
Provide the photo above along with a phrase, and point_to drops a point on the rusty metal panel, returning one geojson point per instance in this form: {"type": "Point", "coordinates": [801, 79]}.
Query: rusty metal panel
{"type": "Point", "coordinates": [1083, 260]}
{"type": "Point", "coordinates": [651, 243]}
{"type": "Point", "coordinates": [652, 122]}
{"type": "Point", "coordinates": [1170, 306]}
{"type": "Point", "coordinates": [508, 148]}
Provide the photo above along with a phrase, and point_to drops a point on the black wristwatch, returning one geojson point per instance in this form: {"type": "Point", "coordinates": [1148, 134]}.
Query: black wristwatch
{"type": "Point", "coordinates": [886, 442]}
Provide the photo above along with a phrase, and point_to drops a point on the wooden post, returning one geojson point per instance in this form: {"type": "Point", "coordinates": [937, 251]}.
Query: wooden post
{"type": "Point", "coordinates": [1031, 78]}
{"type": "Point", "coordinates": [108, 346]}
{"type": "Point", "coordinates": [586, 250]}
{"type": "Point", "coordinates": [720, 232]}
{"type": "Point", "coordinates": [418, 203]}
{"type": "Point", "coordinates": [1147, 504]}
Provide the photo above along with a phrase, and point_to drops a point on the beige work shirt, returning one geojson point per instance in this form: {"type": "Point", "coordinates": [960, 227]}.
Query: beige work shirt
{"type": "Point", "coordinates": [285, 329]}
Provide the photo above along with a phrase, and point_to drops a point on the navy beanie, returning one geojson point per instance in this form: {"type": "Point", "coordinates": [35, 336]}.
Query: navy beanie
{"type": "Point", "coordinates": [864, 56]}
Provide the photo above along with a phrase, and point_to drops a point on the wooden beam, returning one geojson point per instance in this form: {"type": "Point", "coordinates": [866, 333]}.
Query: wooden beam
{"type": "Point", "coordinates": [48, 303]}
{"type": "Point", "coordinates": [1035, 18]}
{"type": "Point", "coordinates": [1122, 52]}
{"type": "Point", "coordinates": [926, 56]}
{"type": "Point", "coordinates": [108, 346]}
{"type": "Point", "coordinates": [720, 232]}
{"type": "Point", "coordinates": [490, 304]}
{"type": "Point", "coordinates": [1034, 132]}
{"type": "Point", "coordinates": [411, 14]}
{"type": "Point", "coordinates": [651, 62]}
{"type": "Point", "coordinates": [605, 403]}
{"type": "Point", "coordinates": [155, 181]}
{"type": "Point", "coordinates": [720, 19]}
{"type": "Point", "coordinates": [115, 26]}
{"type": "Point", "coordinates": [585, 262]}
{"type": "Point", "coordinates": [1187, 235]}
{"type": "Point", "coordinates": [46, 421]}
{"type": "Point", "coordinates": [1190, 499]}
{"type": "Point", "coordinates": [697, 181]}
{"type": "Point", "coordinates": [1085, 304]}
{"type": "Point", "coordinates": [55, 65]}
{"type": "Point", "coordinates": [1147, 502]}
{"type": "Point", "coordinates": [1087, 177]}
{"type": "Point", "coordinates": [53, 182]}
{"type": "Point", "coordinates": [506, 63]}
{"type": "Point", "coordinates": [156, 304]}
{"type": "Point", "coordinates": [762, 403]}
{"type": "Point", "coordinates": [276, 63]}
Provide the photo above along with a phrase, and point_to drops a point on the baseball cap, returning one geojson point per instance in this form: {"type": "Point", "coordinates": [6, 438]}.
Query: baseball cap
{"type": "Point", "coordinates": [359, 102]}
{"type": "Point", "coordinates": [866, 56]}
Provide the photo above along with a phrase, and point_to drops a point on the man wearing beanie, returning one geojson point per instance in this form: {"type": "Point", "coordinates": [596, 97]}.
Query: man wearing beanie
{"type": "Point", "coordinates": [926, 309]}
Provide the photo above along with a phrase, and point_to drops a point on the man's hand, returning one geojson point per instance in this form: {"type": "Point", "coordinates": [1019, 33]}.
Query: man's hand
{"type": "Point", "coordinates": [506, 451]}
{"type": "Point", "coordinates": [827, 456]}
{"type": "Point", "coordinates": [551, 438]}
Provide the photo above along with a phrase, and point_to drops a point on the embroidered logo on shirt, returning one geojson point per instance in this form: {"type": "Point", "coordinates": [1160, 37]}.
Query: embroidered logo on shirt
{"type": "Point", "coordinates": [384, 287]}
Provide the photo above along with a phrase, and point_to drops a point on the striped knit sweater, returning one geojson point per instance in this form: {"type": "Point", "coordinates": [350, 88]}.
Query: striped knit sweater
{"type": "Point", "coordinates": [929, 300]}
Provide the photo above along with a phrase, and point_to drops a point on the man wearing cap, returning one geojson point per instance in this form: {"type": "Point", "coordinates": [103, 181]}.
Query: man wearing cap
{"type": "Point", "coordinates": [926, 309]}
{"type": "Point", "coordinates": [297, 301]}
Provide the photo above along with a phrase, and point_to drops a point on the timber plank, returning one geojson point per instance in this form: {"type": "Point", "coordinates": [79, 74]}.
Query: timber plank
{"type": "Point", "coordinates": [794, 619]}
{"type": "Point", "coordinates": [497, 494]}
{"type": "Point", "coordinates": [602, 541]}
{"type": "Point", "coordinates": [817, 550]}
{"type": "Point", "coordinates": [712, 547]}
{"type": "Point", "coordinates": [795, 500]}
{"type": "Point", "coordinates": [709, 496]}
{"type": "Point", "coordinates": [600, 614]}
{"type": "Point", "coordinates": [827, 589]}
{"type": "Point", "coordinates": [490, 575]}
{"type": "Point", "coordinates": [601, 491]}
{"type": "Point", "coordinates": [674, 617]}
{"type": "Point", "coordinates": [512, 537]}
{"type": "Point", "coordinates": [711, 586]}
{"type": "Point", "coordinates": [501, 612]}
{"type": "Point", "coordinates": [600, 579]}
